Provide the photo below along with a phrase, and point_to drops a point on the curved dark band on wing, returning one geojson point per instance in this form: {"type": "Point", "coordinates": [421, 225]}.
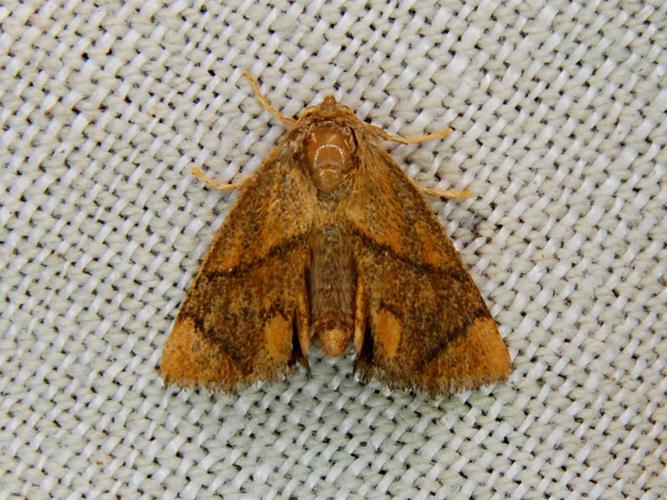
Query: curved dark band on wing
{"type": "Point", "coordinates": [451, 269]}
{"type": "Point", "coordinates": [441, 344]}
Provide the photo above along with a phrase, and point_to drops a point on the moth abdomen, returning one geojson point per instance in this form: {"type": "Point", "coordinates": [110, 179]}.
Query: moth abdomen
{"type": "Point", "coordinates": [331, 285]}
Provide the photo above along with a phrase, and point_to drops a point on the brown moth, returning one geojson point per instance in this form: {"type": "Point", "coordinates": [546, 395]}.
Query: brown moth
{"type": "Point", "coordinates": [330, 240]}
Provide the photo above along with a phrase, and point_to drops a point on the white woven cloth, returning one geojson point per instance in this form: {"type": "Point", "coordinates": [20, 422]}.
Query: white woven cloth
{"type": "Point", "coordinates": [559, 112]}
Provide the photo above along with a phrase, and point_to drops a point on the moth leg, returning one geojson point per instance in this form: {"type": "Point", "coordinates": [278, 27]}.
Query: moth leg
{"type": "Point", "coordinates": [265, 102]}
{"type": "Point", "coordinates": [411, 140]}
{"type": "Point", "coordinates": [213, 183]}
{"type": "Point", "coordinates": [448, 194]}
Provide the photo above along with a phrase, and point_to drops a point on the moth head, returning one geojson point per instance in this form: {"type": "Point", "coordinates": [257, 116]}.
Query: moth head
{"type": "Point", "coordinates": [329, 108]}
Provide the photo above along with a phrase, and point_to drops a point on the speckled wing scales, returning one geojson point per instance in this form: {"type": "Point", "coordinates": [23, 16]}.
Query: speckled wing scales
{"type": "Point", "coordinates": [242, 316]}
{"type": "Point", "coordinates": [421, 321]}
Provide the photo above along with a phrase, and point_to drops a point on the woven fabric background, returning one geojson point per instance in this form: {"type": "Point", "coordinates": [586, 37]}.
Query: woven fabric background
{"type": "Point", "coordinates": [559, 112]}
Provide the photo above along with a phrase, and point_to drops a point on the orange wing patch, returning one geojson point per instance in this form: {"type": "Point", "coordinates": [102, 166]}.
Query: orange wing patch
{"type": "Point", "coordinates": [477, 357]}
{"type": "Point", "coordinates": [278, 339]}
{"type": "Point", "coordinates": [388, 328]}
{"type": "Point", "coordinates": [189, 359]}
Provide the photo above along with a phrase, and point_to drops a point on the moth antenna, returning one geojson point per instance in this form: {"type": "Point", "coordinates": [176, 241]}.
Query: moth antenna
{"type": "Point", "coordinates": [213, 183]}
{"type": "Point", "coordinates": [265, 102]}
{"type": "Point", "coordinates": [449, 194]}
{"type": "Point", "coordinates": [411, 140]}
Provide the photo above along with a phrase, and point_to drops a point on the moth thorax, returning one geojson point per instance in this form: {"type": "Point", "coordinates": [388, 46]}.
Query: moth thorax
{"type": "Point", "coordinates": [328, 155]}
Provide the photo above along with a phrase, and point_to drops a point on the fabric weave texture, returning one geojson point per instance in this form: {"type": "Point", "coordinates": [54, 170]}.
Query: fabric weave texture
{"type": "Point", "coordinates": [559, 117]}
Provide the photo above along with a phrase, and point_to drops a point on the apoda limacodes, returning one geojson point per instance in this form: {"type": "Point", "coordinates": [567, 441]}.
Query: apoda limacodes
{"type": "Point", "coordinates": [330, 240]}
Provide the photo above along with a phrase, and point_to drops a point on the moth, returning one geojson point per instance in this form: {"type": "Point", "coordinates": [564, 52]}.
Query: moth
{"type": "Point", "coordinates": [330, 241]}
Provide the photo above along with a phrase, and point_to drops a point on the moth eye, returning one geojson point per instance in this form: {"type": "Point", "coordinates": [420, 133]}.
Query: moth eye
{"type": "Point", "coordinates": [328, 156]}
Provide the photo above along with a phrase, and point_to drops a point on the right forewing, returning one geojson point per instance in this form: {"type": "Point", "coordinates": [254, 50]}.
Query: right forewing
{"type": "Point", "coordinates": [421, 321]}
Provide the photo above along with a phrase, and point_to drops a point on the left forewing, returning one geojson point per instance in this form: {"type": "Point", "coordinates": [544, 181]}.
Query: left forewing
{"type": "Point", "coordinates": [240, 326]}
{"type": "Point", "coordinates": [246, 308]}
